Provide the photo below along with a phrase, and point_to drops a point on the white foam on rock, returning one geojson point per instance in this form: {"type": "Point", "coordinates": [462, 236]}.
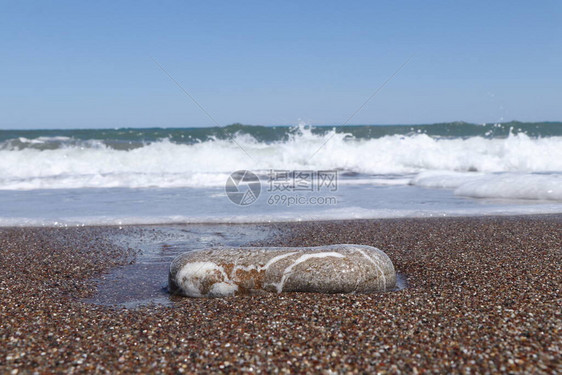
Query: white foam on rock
{"type": "Point", "coordinates": [260, 268]}
{"type": "Point", "coordinates": [223, 290]}
{"type": "Point", "coordinates": [376, 265]}
{"type": "Point", "coordinates": [193, 275]}
{"type": "Point", "coordinates": [303, 258]}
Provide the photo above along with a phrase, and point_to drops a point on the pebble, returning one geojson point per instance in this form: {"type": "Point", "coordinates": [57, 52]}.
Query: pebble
{"type": "Point", "coordinates": [221, 272]}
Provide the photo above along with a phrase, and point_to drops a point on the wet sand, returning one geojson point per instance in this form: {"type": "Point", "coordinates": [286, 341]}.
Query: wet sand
{"type": "Point", "coordinates": [483, 294]}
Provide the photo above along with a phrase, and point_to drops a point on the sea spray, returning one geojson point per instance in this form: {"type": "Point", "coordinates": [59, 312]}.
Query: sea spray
{"type": "Point", "coordinates": [58, 162]}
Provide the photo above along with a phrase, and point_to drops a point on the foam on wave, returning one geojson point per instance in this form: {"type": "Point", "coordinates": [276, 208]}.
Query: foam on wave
{"type": "Point", "coordinates": [437, 162]}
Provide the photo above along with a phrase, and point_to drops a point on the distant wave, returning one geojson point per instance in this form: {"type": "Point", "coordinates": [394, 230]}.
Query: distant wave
{"type": "Point", "coordinates": [65, 160]}
{"type": "Point", "coordinates": [128, 139]}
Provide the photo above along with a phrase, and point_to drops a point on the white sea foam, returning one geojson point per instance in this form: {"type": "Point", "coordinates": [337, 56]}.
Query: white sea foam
{"type": "Point", "coordinates": [444, 179]}
{"type": "Point", "coordinates": [346, 213]}
{"type": "Point", "coordinates": [41, 140]}
{"type": "Point", "coordinates": [495, 185]}
{"type": "Point", "coordinates": [514, 186]}
{"type": "Point", "coordinates": [166, 164]}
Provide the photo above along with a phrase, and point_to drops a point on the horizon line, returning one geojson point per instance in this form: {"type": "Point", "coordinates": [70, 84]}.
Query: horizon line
{"type": "Point", "coordinates": [287, 125]}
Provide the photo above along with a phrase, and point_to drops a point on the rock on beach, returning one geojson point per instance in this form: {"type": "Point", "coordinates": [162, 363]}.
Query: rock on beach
{"type": "Point", "coordinates": [219, 272]}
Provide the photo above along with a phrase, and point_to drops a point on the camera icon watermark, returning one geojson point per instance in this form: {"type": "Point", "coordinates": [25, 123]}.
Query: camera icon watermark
{"type": "Point", "coordinates": [243, 187]}
{"type": "Point", "coordinates": [285, 187]}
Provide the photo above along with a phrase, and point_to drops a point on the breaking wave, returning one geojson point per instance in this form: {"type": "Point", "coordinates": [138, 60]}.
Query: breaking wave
{"type": "Point", "coordinates": [514, 165]}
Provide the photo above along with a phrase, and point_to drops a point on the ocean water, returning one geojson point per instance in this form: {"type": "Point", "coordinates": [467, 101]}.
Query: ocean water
{"type": "Point", "coordinates": [155, 176]}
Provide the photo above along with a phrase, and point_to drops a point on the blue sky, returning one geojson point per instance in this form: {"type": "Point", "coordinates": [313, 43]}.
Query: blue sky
{"type": "Point", "coordinates": [89, 64]}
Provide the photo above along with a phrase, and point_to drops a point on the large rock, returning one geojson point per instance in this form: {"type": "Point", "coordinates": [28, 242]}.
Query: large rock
{"type": "Point", "coordinates": [220, 272]}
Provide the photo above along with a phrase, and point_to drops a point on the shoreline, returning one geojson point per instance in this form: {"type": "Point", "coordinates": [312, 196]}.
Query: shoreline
{"type": "Point", "coordinates": [509, 215]}
{"type": "Point", "coordinates": [482, 295]}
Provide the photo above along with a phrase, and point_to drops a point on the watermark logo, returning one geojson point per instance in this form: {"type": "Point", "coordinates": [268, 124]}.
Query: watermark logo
{"type": "Point", "coordinates": [285, 187]}
{"type": "Point", "coordinates": [302, 180]}
{"type": "Point", "coordinates": [243, 187]}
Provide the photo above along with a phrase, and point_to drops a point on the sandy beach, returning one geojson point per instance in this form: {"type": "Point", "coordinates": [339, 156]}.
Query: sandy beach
{"type": "Point", "coordinates": [483, 295]}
